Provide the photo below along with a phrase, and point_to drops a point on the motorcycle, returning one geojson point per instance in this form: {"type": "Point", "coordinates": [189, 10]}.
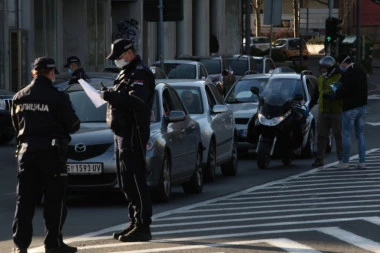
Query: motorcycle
{"type": "Point", "coordinates": [280, 124]}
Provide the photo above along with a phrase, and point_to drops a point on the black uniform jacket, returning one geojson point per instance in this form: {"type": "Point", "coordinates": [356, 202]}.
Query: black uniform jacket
{"type": "Point", "coordinates": [78, 74]}
{"type": "Point", "coordinates": [132, 98]}
{"type": "Point", "coordinates": [354, 90]}
{"type": "Point", "coordinates": [40, 110]}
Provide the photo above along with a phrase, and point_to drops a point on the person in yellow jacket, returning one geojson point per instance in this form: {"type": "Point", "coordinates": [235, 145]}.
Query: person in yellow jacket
{"type": "Point", "coordinates": [329, 109]}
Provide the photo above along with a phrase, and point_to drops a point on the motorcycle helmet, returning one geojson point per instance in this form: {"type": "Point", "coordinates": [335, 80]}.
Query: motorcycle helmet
{"type": "Point", "coordinates": [329, 63]}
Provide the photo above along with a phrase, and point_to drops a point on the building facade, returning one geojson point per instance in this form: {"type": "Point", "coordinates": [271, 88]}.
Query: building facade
{"type": "Point", "coordinates": [86, 28]}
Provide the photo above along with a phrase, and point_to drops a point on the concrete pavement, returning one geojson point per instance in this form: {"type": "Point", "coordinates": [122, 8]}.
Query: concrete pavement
{"type": "Point", "coordinates": [374, 79]}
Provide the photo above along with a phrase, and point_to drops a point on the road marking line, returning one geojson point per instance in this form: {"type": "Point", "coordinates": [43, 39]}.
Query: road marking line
{"type": "Point", "coordinates": [351, 238]}
{"type": "Point", "coordinates": [285, 244]}
{"type": "Point", "coordinates": [203, 203]}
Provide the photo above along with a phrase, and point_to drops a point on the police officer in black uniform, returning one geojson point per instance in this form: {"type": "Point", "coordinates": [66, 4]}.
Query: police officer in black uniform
{"type": "Point", "coordinates": [128, 115]}
{"type": "Point", "coordinates": [75, 70]}
{"type": "Point", "coordinates": [43, 118]}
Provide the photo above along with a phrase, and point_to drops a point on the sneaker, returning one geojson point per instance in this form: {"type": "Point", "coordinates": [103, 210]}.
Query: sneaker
{"type": "Point", "coordinates": [137, 234]}
{"type": "Point", "coordinates": [343, 165]}
{"type": "Point", "coordinates": [116, 235]}
{"type": "Point", "coordinates": [64, 248]}
{"type": "Point", "coordinates": [362, 166]}
{"type": "Point", "coordinates": [19, 250]}
{"type": "Point", "coordinates": [317, 163]}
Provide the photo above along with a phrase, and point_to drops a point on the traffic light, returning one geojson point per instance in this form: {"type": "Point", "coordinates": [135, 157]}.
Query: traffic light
{"type": "Point", "coordinates": [332, 29]}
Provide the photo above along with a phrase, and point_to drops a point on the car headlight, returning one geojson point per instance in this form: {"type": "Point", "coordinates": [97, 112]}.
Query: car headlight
{"type": "Point", "coordinates": [273, 121]}
{"type": "Point", "coordinates": [2, 104]}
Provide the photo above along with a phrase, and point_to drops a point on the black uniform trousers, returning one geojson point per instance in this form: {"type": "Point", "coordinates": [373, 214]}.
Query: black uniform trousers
{"type": "Point", "coordinates": [40, 174]}
{"type": "Point", "coordinates": [132, 181]}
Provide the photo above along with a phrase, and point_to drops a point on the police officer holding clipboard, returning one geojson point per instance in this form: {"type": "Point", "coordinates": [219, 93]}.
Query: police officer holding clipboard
{"type": "Point", "coordinates": [128, 116]}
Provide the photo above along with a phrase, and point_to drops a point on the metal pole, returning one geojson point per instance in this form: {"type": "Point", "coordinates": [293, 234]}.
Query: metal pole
{"type": "Point", "coordinates": [271, 30]}
{"type": "Point", "coordinates": [248, 27]}
{"type": "Point", "coordinates": [331, 5]}
{"type": "Point", "coordinates": [358, 37]}
{"type": "Point", "coordinates": [161, 35]}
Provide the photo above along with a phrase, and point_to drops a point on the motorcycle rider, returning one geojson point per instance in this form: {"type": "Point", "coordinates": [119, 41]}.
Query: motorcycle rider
{"type": "Point", "coordinates": [329, 111]}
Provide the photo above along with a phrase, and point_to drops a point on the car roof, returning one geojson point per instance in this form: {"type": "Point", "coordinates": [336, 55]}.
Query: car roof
{"type": "Point", "coordinates": [254, 76]}
{"type": "Point", "coordinates": [179, 62]}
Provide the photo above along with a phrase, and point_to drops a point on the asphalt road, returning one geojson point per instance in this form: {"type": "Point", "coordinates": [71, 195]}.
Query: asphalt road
{"type": "Point", "coordinates": [281, 209]}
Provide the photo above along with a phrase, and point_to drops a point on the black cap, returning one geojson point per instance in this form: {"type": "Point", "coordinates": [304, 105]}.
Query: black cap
{"type": "Point", "coordinates": [118, 47]}
{"type": "Point", "coordinates": [71, 59]}
{"type": "Point", "coordinates": [47, 63]}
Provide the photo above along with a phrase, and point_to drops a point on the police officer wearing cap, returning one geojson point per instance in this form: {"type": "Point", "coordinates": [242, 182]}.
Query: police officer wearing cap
{"type": "Point", "coordinates": [75, 69]}
{"type": "Point", "coordinates": [43, 118]}
{"type": "Point", "coordinates": [128, 115]}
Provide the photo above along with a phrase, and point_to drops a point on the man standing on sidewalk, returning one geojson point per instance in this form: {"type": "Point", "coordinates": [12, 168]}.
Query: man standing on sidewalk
{"type": "Point", "coordinates": [353, 92]}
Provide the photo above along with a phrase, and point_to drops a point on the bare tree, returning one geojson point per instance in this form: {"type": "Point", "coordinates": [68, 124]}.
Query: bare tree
{"type": "Point", "coordinates": [257, 6]}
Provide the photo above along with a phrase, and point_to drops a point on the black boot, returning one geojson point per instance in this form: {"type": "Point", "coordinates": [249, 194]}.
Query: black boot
{"type": "Point", "coordinates": [140, 233]}
{"type": "Point", "coordinates": [63, 248]}
{"type": "Point", "coordinates": [116, 235]}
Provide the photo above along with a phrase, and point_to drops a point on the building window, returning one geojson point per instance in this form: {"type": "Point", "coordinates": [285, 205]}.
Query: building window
{"type": "Point", "coordinates": [96, 27]}
{"type": "Point", "coordinates": [45, 25]}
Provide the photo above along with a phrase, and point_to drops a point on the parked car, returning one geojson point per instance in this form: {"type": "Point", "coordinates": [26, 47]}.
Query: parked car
{"type": "Point", "coordinates": [243, 104]}
{"type": "Point", "coordinates": [205, 105]}
{"type": "Point", "coordinates": [62, 80]}
{"type": "Point", "coordinates": [7, 132]}
{"type": "Point", "coordinates": [157, 71]}
{"type": "Point", "coordinates": [290, 47]}
{"type": "Point", "coordinates": [183, 69]}
{"type": "Point", "coordinates": [241, 65]}
{"type": "Point", "coordinates": [215, 66]}
{"type": "Point", "coordinates": [260, 42]}
{"type": "Point", "coordinates": [174, 150]}
{"type": "Point", "coordinates": [264, 64]}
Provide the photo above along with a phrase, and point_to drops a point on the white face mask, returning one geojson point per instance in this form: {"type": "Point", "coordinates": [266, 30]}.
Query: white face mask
{"type": "Point", "coordinates": [121, 63]}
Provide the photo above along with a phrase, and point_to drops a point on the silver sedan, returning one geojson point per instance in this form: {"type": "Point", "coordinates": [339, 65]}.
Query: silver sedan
{"type": "Point", "coordinates": [174, 150]}
{"type": "Point", "coordinates": [205, 105]}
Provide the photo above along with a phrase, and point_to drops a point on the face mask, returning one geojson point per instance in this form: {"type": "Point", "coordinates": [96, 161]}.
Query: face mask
{"type": "Point", "coordinates": [343, 69]}
{"type": "Point", "coordinates": [325, 74]}
{"type": "Point", "coordinates": [121, 63]}
{"type": "Point", "coordinates": [70, 71]}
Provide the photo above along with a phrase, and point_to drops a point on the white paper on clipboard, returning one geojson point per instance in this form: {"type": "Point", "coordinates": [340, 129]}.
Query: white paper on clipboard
{"type": "Point", "coordinates": [92, 93]}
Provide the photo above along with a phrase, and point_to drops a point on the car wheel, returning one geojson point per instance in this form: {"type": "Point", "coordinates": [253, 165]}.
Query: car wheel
{"type": "Point", "coordinates": [195, 185]}
{"type": "Point", "coordinates": [162, 192]}
{"type": "Point", "coordinates": [230, 168]}
{"type": "Point", "coordinates": [308, 151]}
{"type": "Point", "coordinates": [6, 138]}
{"type": "Point", "coordinates": [209, 170]}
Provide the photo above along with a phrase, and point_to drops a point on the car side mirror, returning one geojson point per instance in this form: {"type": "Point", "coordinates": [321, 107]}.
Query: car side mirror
{"type": "Point", "coordinates": [175, 116]}
{"type": "Point", "coordinates": [255, 90]}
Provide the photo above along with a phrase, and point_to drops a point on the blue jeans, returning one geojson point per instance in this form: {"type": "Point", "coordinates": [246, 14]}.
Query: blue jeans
{"type": "Point", "coordinates": [351, 119]}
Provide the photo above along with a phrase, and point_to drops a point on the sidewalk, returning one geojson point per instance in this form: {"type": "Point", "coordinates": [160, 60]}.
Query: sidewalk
{"type": "Point", "coordinates": [374, 79]}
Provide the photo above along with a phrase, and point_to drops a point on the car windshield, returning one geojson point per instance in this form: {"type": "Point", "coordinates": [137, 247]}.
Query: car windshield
{"type": "Point", "coordinates": [191, 98]}
{"type": "Point", "coordinates": [278, 91]}
{"type": "Point", "coordinates": [88, 113]}
{"type": "Point", "coordinates": [241, 91]}
{"type": "Point", "coordinates": [180, 71]}
{"type": "Point", "coordinates": [256, 40]}
{"type": "Point", "coordinates": [239, 66]}
{"type": "Point", "coordinates": [259, 65]}
{"type": "Point", "coordinates": [213, 66]}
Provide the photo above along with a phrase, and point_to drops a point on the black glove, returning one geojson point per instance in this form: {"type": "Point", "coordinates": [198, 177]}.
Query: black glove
{"type": "Point", "coordinates": [330, 97]}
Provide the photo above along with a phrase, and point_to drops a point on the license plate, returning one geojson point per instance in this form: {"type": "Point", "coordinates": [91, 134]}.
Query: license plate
{"type": "Point", "coordinates": [85, 168]}
{"type": "Point", "coordinates": [243, 132]}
